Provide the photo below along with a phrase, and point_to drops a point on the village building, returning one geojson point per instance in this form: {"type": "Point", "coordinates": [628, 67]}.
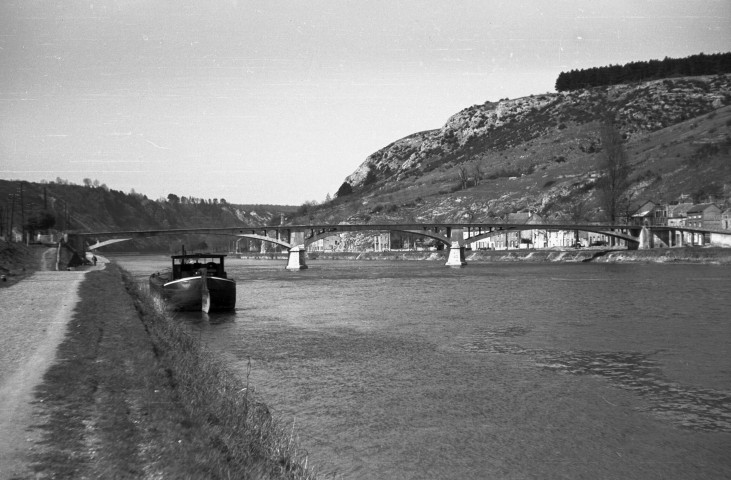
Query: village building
{"type": "Point", "coordinates": [704, 215]}
{"type": "Point", "coordinates": [678, 214]}
{"type": "Point", "coordinates": [382, 242]}
{"type": "Point", "coordinates": [650, 214]}
{"type": "Point", "coordinates": [726, 219]}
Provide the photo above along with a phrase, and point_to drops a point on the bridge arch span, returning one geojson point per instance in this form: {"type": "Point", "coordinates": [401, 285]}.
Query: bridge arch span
{"type": "Point", "coordinates": [264, 238]}
{"type": "Point", "coordinates": [320, 236]}
{"type": "Point", "coordinates": [424, 233]}
{"type": "Point", "coordinates": [99, 244]}
{"type": "Point", "coordinates": [522, 228]}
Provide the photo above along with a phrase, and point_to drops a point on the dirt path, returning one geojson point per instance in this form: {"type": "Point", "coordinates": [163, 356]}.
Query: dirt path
{"type": "Point", "coordinates": [34, 316]}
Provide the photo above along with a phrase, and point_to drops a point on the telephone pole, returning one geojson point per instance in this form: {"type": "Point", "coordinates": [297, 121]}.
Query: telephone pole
{"type": "Point", "coordinates": [22, 215]}
{"type": "Point", "coordinates": [12, 214]}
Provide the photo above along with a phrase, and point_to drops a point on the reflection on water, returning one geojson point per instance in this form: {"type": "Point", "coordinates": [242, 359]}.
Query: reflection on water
{"type": "Point", "coordinates": [685, 406]}
{"type": "Point", "coordinates": [412, 370]}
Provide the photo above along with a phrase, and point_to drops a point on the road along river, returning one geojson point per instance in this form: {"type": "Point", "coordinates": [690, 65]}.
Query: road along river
{"type": "Point", "coordinates": [33, 319]}
{"type": "Point", "coordinates": [408, 370]}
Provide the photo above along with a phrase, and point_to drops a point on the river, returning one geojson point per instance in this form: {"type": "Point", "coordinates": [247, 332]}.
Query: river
{"type": "Point", "coordinates": [411, 370]}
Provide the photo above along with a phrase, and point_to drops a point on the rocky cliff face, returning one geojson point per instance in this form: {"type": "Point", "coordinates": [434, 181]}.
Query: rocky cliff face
{"type": "Point", "coordinates": [540, 153]}
{"type": "Point", "coordinates": [638, 109]}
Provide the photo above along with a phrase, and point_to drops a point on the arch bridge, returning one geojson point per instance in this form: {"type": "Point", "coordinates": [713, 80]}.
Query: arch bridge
{"type": "Point", "coordinates": [454, 236]}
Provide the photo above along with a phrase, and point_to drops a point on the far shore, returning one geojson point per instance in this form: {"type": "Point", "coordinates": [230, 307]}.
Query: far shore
{"type": "Point", "coordinates": [700, 255]}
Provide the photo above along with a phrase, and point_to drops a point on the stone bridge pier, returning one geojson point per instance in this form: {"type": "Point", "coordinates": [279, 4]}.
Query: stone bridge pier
{"type": "Point", "coordinates": [297, 250]}
{"type": "Point", "coordinates": [456, 256]}
{"type": "Point", "coordinates": [297, 256]}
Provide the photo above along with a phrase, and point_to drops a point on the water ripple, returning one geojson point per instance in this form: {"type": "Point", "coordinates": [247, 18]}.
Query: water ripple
{"type": "Point", "coordinates": [684, 406]}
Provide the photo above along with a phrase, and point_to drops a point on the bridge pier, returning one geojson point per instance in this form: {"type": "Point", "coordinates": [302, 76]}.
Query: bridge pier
{"type": "Point", "coordinates": [296, 260]}
{"type": "Point", "coordinates": [456, 249]}
{"type": "Point", "coordinates": [645, 238]}
{"type": "Point", "coordinates": [456, 256]}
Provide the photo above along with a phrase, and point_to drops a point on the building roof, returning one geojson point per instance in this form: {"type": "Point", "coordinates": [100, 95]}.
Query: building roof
{"type": "Point", "coordinates": [646, 209]}
{"type": "Point", "coordinates": [679, 210]}
{"type": "Point", "coordinates": [702, 207]}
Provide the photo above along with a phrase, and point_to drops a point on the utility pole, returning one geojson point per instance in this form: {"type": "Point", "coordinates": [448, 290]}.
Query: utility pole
{"type": "Point", "coordinates": [12, 214]}
{"type": "Point", "coordinates": [22, 214]}
{"type": "Point", "coordinates": [63, 216]}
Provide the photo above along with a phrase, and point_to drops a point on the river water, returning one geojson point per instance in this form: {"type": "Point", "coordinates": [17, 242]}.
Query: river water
{"type": "Point", "coordinates": [412, 370]}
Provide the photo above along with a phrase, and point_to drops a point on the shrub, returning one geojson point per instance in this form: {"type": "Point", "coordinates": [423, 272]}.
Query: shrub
{"type": "Point", "coordinates": [344, 190]}
{"type": "Point", "coordinates": [377, 209]}
{"type": "Point", "coordinates": [371, 177]}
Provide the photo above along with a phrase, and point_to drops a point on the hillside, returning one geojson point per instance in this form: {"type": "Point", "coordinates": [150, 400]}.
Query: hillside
{"type": "Point", "coordinates": [537, 153]}
{"type": "Point", "coordinates": [540, 153]}
{"type": "Point", "coordinates": [89, 208]}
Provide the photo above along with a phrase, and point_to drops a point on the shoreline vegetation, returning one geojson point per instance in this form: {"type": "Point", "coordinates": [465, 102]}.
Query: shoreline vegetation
{"type": "Point", "coordinates": [132, 392]}
{"type": "Point", "coordinates": [245, 439]}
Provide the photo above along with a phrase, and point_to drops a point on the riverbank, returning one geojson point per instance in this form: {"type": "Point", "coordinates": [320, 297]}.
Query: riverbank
{"type": "Point", "coordinates": [704, 255]}
{"type": "Point", "coordinates": [131, 394]}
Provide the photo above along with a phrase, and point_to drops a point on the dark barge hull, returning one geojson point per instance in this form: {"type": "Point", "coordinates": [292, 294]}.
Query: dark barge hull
{"type": "Point", "coordinates": [187, 293]}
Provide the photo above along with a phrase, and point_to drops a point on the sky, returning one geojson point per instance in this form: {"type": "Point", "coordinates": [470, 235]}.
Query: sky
{"type": "Point", "coordinates": [276, 102]}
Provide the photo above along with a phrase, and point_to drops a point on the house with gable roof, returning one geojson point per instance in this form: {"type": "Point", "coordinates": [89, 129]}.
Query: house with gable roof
{"type": "Point", "coordinates": [678, 213]}
{"type": "Point", "coordinates": [650, 214]}
{"type": "Point", "coordinates": [704, 215]}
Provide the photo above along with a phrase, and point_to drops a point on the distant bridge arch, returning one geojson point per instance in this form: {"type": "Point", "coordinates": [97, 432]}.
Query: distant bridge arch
{"type": "Point", "coordinates": [499, 230]}
{"type": "Point", "coordinates": [379, 229]}
{"type": "Point", "coordinates": [265, 238]}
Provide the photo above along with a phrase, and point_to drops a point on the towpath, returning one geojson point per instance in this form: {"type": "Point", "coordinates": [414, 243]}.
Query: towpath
{"type": "Point", "coordinates": [33, 319]}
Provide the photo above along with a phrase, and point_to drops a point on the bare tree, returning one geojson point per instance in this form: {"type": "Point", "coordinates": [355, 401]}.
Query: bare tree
{"type": "Point", "coordinates": [615, 169]}
{"type": "Point", "coordinates": [578, 211]}
{"type": "Point", "coordinates": [477, 173]}
{"type": "Point", "coordinates": [463, 177]}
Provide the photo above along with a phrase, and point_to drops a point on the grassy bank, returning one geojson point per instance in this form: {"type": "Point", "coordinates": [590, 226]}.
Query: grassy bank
{"type": "Point", "coordinates": [243, 438]}
{"type": "Point", "coordinates": [17, 261]}
{"type": "Point", "coordinates": [133, 395]}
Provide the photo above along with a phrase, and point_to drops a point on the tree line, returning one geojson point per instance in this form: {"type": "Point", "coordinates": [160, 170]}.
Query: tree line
{"type": "Point", "coordinates": [701, 64]}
